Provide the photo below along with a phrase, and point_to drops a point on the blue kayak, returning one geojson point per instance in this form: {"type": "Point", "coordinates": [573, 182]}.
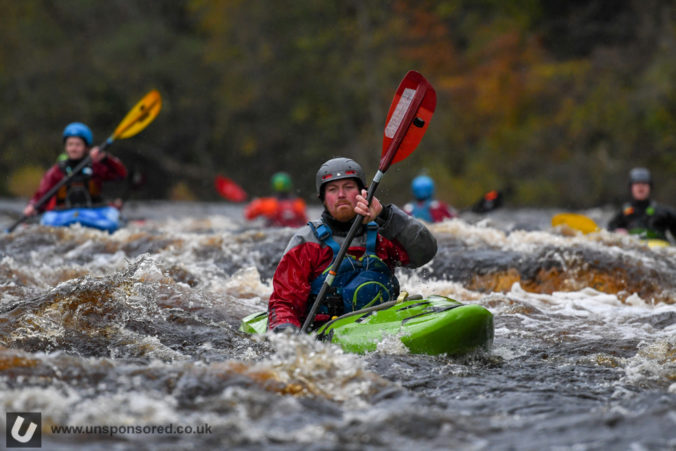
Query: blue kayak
{"type": "Point", "coordinates": [103, 218]}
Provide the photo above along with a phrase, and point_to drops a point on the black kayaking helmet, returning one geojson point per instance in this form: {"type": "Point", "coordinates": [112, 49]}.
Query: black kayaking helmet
{"type": "Point", "coordinates": [640, 175]}
{"type": "Point", "coordinates": [338, 169]}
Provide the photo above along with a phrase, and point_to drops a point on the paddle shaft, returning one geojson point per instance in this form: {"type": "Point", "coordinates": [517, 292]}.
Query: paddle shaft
{"type": "Point", "coordinates": [356, 223]}
{"type": "Point", "coordinates": [56, 187]}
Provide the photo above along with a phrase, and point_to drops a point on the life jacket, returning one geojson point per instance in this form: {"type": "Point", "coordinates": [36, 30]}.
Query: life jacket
{"type": "Point", "coordinates": [640, 222]}
{"type": "Point", "coordinates": [80, 190]}
{"type": "Point", "coordinates": [422, 210]}
{"type": "Point", "coordinates": [289, 213]}
{"type": "Point", "coordinates": [279, 212]}
{"type": "Point", "coordinates": [359, 282]}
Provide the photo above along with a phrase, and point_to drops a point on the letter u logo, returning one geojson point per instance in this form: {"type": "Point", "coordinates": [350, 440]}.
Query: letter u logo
{"type": "Point", "coordinates": [23, 429]}
{"type": "Point", "coordinates": [26, 436]}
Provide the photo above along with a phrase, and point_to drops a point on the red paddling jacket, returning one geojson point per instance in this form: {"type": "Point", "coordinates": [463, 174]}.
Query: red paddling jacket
{"type": "Point", "coordinates": [401, 241]}
{"type": "Point", "coordinates": [84, 189]}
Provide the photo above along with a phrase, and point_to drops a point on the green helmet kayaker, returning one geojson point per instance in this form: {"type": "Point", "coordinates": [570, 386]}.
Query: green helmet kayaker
{"type": "Point", "coordinates": [281, 182]}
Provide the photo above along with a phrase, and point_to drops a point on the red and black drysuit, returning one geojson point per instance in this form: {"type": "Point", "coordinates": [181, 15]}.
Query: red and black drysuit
{"type": "Point", "coordinates": [401, 241]}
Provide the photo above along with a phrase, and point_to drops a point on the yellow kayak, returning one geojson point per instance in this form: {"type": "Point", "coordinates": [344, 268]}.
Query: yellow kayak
{"type": "Point", "coordinates": [652, 242]}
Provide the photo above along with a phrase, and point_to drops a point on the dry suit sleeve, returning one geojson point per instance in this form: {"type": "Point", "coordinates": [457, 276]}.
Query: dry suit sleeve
{"type": "Point", "coordinates": [411, 234]}
{"type": "Point", "coordinates": [665, 219]}
{"type": "Point", "coordinates": [51, 178]}
{"type": "Point", "coordinates": [617, 222]}
{"type": "Point", "coordinates": [110, 168]}
{"type": "Point", "coordinates": [291, 284]}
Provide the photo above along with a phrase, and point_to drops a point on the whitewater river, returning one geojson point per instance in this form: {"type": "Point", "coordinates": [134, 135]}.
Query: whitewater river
{"type": "Point", "coordinates": [139, 330]}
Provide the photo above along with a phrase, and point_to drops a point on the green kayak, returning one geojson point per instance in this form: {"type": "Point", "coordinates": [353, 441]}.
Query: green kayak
{"type": "Point", "coordinates": [435, 325]}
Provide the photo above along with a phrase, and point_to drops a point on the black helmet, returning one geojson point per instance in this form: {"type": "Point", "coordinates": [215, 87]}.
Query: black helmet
{"type": "Point", "coordinates": [337, 169]}
{"type": "Point", "coordinates": [640, 175]}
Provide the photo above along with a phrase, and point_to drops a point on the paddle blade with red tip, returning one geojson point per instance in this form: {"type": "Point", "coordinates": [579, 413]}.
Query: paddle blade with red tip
{"type": "Point", "coordinates": [412, 108]}
{"type": "Point", "coordinates": [229, 189]}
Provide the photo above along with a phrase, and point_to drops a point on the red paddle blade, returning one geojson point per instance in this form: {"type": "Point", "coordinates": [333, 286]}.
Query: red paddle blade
{"type": "Point", "coordinates": [229, 189]}
{"type": "Point", "coordinates": [408, 118]}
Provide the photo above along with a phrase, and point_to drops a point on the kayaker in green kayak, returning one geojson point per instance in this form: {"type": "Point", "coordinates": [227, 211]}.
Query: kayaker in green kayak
{"type": "Point", "coordinates": [388, 238]}
{"type": "Point", "coordinates": [84, 189]}
{"type": "Point", "coordinates": [642, 216]}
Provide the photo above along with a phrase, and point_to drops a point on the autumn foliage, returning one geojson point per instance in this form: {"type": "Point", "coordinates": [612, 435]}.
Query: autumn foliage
{"type": "Point", "coordinates": [553, 100]}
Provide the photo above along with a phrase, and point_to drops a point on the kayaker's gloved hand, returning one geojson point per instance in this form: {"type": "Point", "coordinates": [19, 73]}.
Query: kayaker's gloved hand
{"type": "Point", "coordinates": [286, 328]}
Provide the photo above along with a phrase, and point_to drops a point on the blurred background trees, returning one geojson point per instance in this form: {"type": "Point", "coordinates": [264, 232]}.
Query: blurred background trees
{"type": "Point", "coordinates": [554, 101]}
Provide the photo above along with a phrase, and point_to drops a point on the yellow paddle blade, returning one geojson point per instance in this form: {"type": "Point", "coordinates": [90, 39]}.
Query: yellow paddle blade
{"type": "Point", "coordinates": [140, 116]}
{"type": "Point", "coordinates": [576, 222]}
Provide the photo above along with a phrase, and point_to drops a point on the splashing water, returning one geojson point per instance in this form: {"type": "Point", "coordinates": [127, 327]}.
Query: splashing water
{"type": "Point", "coordinates": [140, 328]}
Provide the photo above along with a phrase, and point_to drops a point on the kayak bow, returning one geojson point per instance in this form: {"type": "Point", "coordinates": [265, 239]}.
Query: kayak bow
{"type": "Point", "coordinates": [435, 325]}
{"type": "Point", "coordinates": [103, 218]}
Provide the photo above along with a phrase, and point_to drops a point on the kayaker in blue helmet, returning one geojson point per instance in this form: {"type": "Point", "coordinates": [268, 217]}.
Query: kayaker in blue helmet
{"type": "Point", "coordinates": [84, 189]}
{"type": "Point", "coordinates": [425, 206]}
{"type": "Point", "coordinates": [642, 216]}
{"type": "Point", "coordinates": [388, 238]}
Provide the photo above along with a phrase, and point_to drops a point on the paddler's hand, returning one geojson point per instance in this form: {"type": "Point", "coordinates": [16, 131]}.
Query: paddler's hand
{"type": "Point", "coordinates": [369, 212]}
{"type": "Point", "coordinates": [286, 328]}
{"type": "Point", "coordinates": [97, 154]}
{"type": "Point", "coordinates": [29, 210]}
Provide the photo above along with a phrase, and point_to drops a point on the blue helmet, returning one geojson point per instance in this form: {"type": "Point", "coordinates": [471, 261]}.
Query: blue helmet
{"type": "Point", "coordinates": [80, 130]}
{"type": "Point", "coordinates": [422, 187]}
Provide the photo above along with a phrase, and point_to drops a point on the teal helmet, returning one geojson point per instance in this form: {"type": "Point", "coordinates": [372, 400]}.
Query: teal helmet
{"type": "Point", "coordinates": [422, 187]}
{"type": "Point", "coordinates": [79, 130]}
{"type": "Point", "coordinates": [337, 169]}
{"type": "Point", "coordinates": [281, 182]}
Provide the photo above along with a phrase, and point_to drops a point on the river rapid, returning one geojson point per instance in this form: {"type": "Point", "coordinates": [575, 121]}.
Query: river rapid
{"type": "Point", "coordinates": [139, 329]}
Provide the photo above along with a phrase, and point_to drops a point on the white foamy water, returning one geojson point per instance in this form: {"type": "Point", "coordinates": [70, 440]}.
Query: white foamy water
{"type": "Point", "coordinates": [141, 328]}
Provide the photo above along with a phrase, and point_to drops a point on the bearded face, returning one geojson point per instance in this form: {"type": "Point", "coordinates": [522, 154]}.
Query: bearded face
{"type": "Point", "coordinates": [339, 199]}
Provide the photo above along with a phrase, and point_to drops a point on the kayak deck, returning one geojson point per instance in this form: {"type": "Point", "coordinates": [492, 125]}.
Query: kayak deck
{"type": "Point", "coordinates": [102, 218]}
{"type": "Point", "coordinates": [435, 325]}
